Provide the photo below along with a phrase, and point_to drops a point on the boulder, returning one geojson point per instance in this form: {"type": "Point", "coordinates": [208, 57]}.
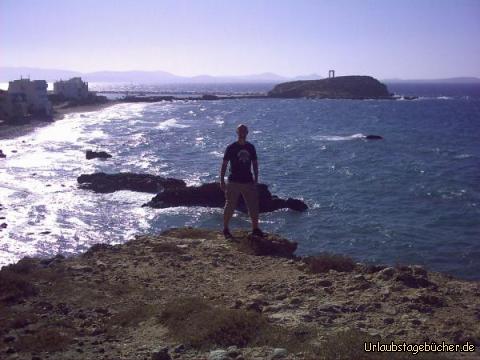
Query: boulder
{"type": "Point", "coordinates": [269, 245]}
{"type": "Point", "coordinates": [161, 354]}
{"type": "Point", "coordinates": [386, 274]}
{"type": "Point", "coordinates": [373, 137]}
{"type": "Point", "coordinates": [219, 354]}
{"type": "Point", "coordinates": [107, 183]}
{"type": "Point", "coordinates": [211, 195]}
{"type": "Point", "coordinates": [97, 154]}
{"type": "Point", "coordinates": [413, 278]}
{"type": "Point", "coordinates": [279, 353]}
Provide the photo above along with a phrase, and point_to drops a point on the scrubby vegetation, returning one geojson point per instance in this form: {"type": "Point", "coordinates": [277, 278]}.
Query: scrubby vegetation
{"type": "Point", "coordinates": [349, 344]}
{"type": "Point", "coordinates": [14, 283]}
{"type": "Point", "coordinates": [202, 325]}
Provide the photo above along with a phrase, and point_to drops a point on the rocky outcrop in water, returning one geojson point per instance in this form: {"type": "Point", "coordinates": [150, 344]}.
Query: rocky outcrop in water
{"type": "Point", "coordinates": [173, 192]}
{"type": "Point", "coordinates": [2, 155]}
{"type": "Point", "coordinates": [210, 97]}
{"type": "Point", "coordinates": [342, 87]}
{"type": "Point", "coordinates": [374, 137]}
{"type": "Point", "coordinates": [211, 195]}
{"type": "Point", "coordinates": [90, 154]}
{"type": "Point", "coordinates": [107, 183]}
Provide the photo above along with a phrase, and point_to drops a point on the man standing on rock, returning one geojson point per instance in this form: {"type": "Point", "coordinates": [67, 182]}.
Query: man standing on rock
{"type": "Point", "coordinates": [241, 154]}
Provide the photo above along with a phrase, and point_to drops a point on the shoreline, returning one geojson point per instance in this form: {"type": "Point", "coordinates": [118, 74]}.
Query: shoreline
{"type": "Point", "coordinates": [304, 256]}
{"type": "Point", "coordinates": [9, 132]}
{"type": "Point", "coordinates": [116, 300]}
{"type": "Point", "coordinates": [14, 131]}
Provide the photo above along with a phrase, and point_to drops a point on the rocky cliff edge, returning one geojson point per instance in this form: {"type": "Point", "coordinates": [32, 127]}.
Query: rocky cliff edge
{"type": "Point", "coordinates": [188, 293]}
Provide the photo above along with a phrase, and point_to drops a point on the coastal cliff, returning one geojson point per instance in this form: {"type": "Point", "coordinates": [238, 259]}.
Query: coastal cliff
{"type": "Point", "coordinates": [188, 293]}
{"type": "Point", "coordinates": [342, 87]}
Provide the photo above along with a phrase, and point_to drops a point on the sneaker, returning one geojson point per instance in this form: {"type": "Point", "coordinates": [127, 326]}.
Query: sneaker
{"type": "Point", "coordinates": [258, 232]}
{"type": "Point", "coordinates": [227, 234]}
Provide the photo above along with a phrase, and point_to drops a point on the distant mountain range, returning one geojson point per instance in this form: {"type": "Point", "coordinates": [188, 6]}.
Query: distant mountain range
{"type": "Point", "coordinates": [454, 80]}
{"type": "Point", "coordinates": [12, 73]}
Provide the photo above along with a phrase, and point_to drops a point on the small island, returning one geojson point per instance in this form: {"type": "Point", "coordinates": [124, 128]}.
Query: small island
{"type": "Point", "coordinates": [342, 87]}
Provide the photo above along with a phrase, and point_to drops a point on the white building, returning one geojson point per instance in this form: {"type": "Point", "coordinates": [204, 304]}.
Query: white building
{"type": "Point", "coordinates": [74, 89]}
{"type": "Point", "coordinates": [4, 105]}
{"type": "Point", "coordinates": [33, 93]}
{"type": "Point", "coordinates": [13, 109]}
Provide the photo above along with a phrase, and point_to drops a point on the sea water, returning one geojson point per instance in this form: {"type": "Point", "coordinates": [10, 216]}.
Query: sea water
{"type": "Point", "coordinates": [413, 197]}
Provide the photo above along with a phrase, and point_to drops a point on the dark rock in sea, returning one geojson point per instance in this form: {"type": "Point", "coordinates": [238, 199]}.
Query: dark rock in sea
{"type": "Point", "coordinates": [296, 204]}
{"type": "Point", "coordinates": [107, 183]}
{"type": "Point", "coordinates": [2, 155]}
{"type": "Point", "coordinates": [211, 195]}
{"type": "Point", "coordinates": [210, 97]}
{"type": "Point", "coordinates": [342, 87]}
{"type": "Point", "coordinates": [97, 154]}
{"type": "Point", "coordinates": [373, 137]}
{"type": "Point", "coordinates": [148, 98]}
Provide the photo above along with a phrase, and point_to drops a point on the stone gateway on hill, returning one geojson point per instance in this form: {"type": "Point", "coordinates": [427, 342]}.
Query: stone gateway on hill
{"type": "Point", "coordinates": [342, 87]}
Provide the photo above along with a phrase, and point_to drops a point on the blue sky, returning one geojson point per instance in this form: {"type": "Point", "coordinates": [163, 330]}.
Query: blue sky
{"type": "Point", "coordinates": [383, 38]}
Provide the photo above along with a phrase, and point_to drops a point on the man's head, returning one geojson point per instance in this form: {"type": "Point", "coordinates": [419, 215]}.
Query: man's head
{"type": "Point", "coordinates": [242, 131]}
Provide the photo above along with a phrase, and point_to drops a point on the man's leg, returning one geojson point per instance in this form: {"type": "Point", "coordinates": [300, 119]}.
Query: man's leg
{"type": "Point", "coordinates": [250, 195]}
{"type": "Point", "coordinates": [232, 192]}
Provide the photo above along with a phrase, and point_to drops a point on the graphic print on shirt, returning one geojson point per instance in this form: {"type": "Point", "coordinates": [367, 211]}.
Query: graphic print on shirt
{"type": "Point", "coordinates": [244, 156]}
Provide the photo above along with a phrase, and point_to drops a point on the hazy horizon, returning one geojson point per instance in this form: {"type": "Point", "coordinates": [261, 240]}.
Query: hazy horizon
{"type": "Point", "coordinates": [269, 76]}
{"type": "Point", "coordinates": [409, 40]}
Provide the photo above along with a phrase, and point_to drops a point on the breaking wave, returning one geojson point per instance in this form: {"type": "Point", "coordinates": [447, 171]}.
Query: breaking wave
{"type": "Point", "coordinates": [338, 138]}
{"type": "Point", "coordinates": [170, 123]}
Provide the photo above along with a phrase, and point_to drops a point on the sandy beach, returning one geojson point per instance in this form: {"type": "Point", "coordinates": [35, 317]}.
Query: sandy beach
{"type": "Point", "coordinates": [14, 131]}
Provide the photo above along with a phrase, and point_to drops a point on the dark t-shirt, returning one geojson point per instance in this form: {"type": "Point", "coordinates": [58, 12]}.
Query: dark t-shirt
{"type": "Point", "coordinates": [240, 157]}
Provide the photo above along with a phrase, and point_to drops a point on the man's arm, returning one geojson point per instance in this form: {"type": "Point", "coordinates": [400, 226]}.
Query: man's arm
{"type": "Point", "coordinates": [222, 174]}
{"type": "Point", "coordinates": [255, 164]}
{"type": "Point", "coordinates": [226, 159]}
{"type": "Point", "coordinates": [255, 170]}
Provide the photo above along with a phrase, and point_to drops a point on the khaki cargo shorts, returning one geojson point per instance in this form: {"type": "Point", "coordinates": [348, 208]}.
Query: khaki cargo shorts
{"type": "Point", "coordinates": [249, 193]}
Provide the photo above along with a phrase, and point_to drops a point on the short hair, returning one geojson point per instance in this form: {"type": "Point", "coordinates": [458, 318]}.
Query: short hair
{"type": "Point", "coordinates": [241, 126]}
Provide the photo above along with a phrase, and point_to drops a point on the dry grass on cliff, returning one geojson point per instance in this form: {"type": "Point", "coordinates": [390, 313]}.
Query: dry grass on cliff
{"type": "Point", "coordinates": [49, 339]}
{"type": "Point", "coordinates": [167, 247]}
{"type": "Point", "coordinates": [196, 322]}
{"type": "Point", "coordinates": [133, 315]}
{"type": "Point", "coordinates": [324, 262]}
{"type": "Point", "coordinates": [187, 233]}
{"type": "Point", "coordinates": [15, 283]}
{"type": "Point", "coordinates": [202, 325]}
{"type": "Point", "coordinates": [349, 344]}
